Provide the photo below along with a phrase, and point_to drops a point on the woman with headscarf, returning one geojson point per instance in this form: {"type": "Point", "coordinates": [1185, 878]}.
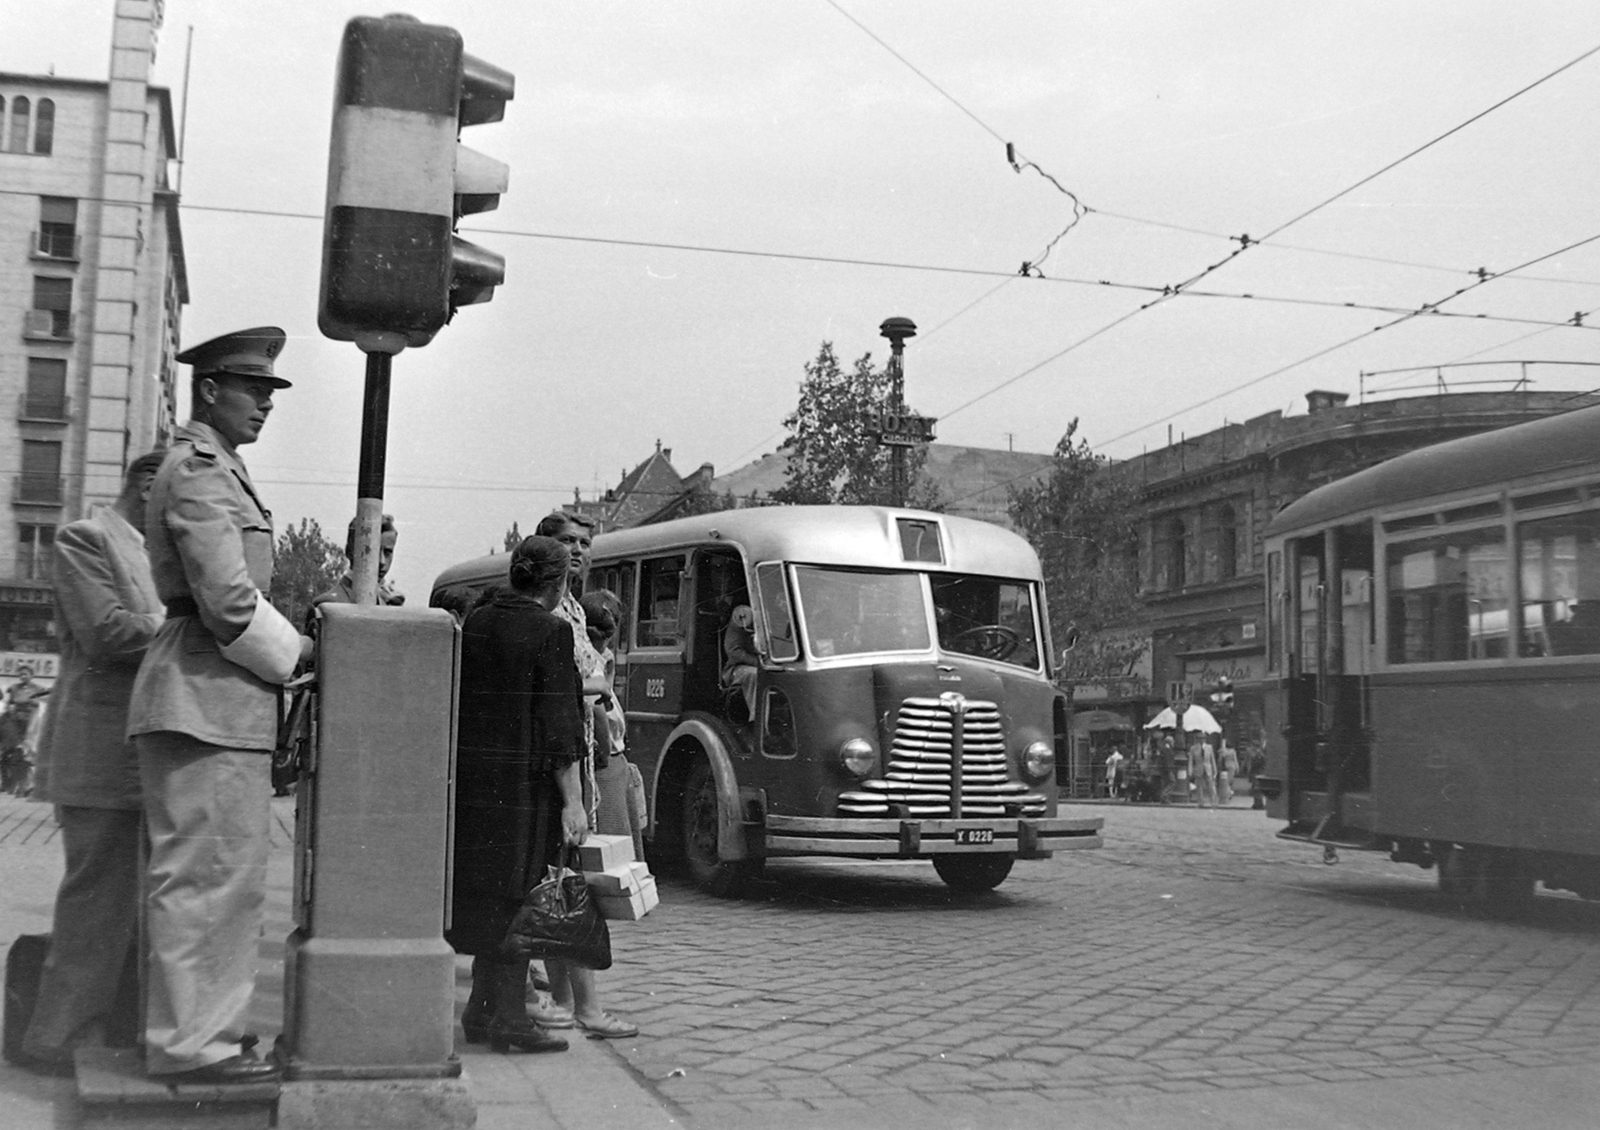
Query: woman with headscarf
{"type": "Point", "coordinates": [519, 788]}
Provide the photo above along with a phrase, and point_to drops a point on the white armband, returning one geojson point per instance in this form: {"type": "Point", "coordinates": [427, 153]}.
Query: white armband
{"type": "Point", "coordinates": [269, 647]}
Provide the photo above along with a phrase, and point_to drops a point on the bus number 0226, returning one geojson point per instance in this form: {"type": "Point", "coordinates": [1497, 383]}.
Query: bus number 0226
{"type": "Point", "coordinates": [655, 688]}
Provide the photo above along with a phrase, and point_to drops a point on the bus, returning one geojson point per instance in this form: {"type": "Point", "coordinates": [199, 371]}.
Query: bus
{"type": "Point", "coordinates": [1433, 629]}
{"type": "Point", "coordinates": [903, 701]}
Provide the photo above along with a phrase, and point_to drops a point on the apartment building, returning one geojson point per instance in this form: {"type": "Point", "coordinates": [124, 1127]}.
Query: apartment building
{"type": "Point", "coordinates": [92, 286]}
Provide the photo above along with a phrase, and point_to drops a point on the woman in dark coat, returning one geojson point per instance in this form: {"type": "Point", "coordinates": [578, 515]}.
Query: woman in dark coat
{"type": "Point", "coordinates": [519, 795]}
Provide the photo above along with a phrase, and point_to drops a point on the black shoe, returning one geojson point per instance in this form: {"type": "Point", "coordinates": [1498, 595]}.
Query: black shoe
{"type": "Point", "coordinates": [524, 1035]}
{"type": "Point", "coordinates": [233, 1071]}
{"type": "Point", "coordinates": [475, 1022]}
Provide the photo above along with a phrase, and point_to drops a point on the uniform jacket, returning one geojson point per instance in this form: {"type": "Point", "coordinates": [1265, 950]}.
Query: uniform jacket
{"type": "Point", "coordinates": [107, 603]}
{"type": "Point", "coordinates": [216, 666]}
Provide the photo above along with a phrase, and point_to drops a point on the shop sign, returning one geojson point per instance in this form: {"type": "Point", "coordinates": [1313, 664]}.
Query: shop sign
{"type": "Point", "coordinates": [1210, 670]}
{"type": "Point", "coordinates": [21, 594]}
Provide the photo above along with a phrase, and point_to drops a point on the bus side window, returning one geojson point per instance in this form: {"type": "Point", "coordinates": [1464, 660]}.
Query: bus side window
{"type": "Point", "coordinates": [659, 586]}
{"type": "Point", "coordinates": [779, 620]}
{"type": "Point", "coordinates": [618, 580]}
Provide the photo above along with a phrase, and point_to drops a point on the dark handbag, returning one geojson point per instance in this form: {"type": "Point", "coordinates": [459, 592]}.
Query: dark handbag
{"type": "Point", "coordinates": [559, 919]}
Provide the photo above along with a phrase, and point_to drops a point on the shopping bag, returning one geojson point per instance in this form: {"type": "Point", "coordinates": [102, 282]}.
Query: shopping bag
{"type": "Point", "coordinates": [559, 919]}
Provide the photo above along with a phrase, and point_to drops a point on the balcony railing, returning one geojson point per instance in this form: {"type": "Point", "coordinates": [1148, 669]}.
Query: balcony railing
{"type": "Point", "coordinates": [48, 409]}
{"type": "Point", "coordinates": [60, 245]}
{"type": "Point", "coordinates": [34, 489]}
{"type": "Point", "coordinates": [47, 325]}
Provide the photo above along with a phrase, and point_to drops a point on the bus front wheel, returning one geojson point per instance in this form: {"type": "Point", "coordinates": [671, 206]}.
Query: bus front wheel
{"type": "Point", "coordinates": [973, 873]}
{"type": "Point", "coordinates": [720, 877]}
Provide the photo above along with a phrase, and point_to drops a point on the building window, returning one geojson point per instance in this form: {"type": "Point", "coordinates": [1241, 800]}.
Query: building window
{"type": "Point", "coordinates": [19, 125]}
{"type": "Point", "coordinates": [1227, 543]}
{"type": "Point", "coordinates": [58, 227]}
{"type": "Point", "coordinates": [46, 396]}
{"type": "Point", "coordinates": [1177, 552]}
{"type": "Point", "coordinates": [44, 128]}
{"type": "Point", "coordinates": [36, 547]}
{"type": "Point", "coordinates": [40, 481]}
{"type": "Point", "coordinates": [52, 308]}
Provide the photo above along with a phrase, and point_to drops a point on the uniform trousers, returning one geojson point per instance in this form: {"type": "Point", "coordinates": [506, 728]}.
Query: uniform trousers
{"type": "Point", "coordinates": [207, 813]}
{"type": "Point", "coordinates": [96, 919]}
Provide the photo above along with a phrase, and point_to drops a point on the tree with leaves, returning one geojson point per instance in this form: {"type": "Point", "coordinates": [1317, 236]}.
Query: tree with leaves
{"type": "Point", "coordinates": [1082, 520]}
{"type": "Point", "coordinates": [306, 564]}
{"type": "Point", "coordinates": [833, 459]}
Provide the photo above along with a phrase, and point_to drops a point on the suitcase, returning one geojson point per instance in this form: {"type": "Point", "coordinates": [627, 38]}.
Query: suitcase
{"type": "Point", "coordinates": [24, 967]}
{"type": "Point", "coordinates": [24, 964]}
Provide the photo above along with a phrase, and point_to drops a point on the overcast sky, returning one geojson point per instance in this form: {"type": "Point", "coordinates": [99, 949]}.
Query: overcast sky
{"type": "Point", "coordinates": [782, 128]}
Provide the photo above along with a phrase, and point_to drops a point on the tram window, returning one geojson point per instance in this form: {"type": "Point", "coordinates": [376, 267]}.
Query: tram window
{"type": "Point", "coordinates": [1310, 649]}
{"type": "Point", "coordinates": [775, 611]}
{"type": "Point", "coordinates": [618, 580]}
{"type": "Point", "coordinates": [1448, 597]}
{"type": "Point", "coordinates": [659, 583]}
{"type": "Point", "coordinates": [1561, 585]}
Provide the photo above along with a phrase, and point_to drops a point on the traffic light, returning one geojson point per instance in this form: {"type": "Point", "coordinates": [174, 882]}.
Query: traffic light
{"type": "Point", "coordinates": [393, 269]}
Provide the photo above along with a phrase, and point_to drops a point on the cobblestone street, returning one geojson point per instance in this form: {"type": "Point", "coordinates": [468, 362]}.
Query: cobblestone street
{"type": "Point", "coordinates": [1195, 952]}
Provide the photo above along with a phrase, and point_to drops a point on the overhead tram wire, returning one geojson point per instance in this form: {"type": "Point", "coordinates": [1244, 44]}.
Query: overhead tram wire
{"type": "Point", "coordinates": [1419, 312]}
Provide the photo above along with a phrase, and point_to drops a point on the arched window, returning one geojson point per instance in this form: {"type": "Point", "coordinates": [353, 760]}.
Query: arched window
{"type": "Point", "coordinates": [44, 127]}
{"type": "Point", "coordinates": [19, 125]}
{"type": "Point", "coordinates": [1177, 552]}
{"type": "Point", "coordinates": [1227, 543]}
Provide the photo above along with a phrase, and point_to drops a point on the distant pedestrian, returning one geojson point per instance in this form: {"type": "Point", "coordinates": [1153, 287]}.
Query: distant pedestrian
{"type": "Point", "coordinates": [1203, 769]}
{"type": "Point", "coordinates": [1227, 770]}
{"type": "Point", "coordinates": [1258, 765]}
{"type": "Point", "coordinates": [1114, 768]}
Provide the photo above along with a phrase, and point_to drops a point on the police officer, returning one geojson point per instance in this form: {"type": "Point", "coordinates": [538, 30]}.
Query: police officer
{"type": "Point", "coordinates": [204, 718]}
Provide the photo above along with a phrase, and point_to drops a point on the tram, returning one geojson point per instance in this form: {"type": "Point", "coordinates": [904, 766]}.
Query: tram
{"type": "Point", "coordinates": [903, 705]}
{"type": "Point", "coordinates": [1433, 630]}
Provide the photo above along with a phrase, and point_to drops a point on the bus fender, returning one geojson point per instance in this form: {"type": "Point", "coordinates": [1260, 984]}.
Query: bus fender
{"type": "Point", "coordinates": [730, 826]}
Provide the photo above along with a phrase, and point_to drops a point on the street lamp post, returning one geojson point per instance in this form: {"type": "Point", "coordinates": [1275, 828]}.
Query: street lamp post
{"type": "Point", "coordinates": [897, 330]}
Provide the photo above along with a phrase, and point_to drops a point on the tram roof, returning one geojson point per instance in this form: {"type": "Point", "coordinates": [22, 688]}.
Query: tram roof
{"type": "Point", "coordinates": [862, 536]}
{"type": "Point", "coordinates": [1539, 448]}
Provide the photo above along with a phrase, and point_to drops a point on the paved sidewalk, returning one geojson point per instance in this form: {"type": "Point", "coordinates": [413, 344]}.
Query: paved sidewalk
{"type": "Point", "coordinates": [588, 1086]}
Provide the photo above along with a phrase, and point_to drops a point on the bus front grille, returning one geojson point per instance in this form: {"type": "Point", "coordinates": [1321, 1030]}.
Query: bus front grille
{"type": "Point", "coordinates": [919, 780]}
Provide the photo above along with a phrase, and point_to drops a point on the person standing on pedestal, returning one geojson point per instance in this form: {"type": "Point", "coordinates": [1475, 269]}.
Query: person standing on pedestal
{"type": "Point", "coordinates": [109, 612]}
{"type": "Point", "coordinates": [204, 718]}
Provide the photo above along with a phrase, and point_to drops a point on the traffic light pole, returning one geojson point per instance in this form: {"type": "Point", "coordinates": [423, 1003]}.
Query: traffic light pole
{"type": "Point", "coordinates": [369, 478]}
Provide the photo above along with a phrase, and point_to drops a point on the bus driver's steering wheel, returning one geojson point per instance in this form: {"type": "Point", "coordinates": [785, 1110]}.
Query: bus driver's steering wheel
{"type": "Point", "coordinates": [987, 641]}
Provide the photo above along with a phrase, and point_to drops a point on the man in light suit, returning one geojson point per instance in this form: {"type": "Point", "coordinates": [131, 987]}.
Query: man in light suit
{"type": "Point", "coordinates": [204, 718]}
{"type": "Point", "coordinates": [107, 604]}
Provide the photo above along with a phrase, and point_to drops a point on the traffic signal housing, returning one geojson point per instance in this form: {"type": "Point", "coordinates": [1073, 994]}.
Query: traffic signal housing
{"type": "Point", "coordinates": [393, 269]}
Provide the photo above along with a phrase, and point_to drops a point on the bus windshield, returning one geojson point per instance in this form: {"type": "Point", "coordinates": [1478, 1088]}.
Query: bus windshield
{"type": "Point", "coordinates": [988, 617]}
{"type": "Point", "coordinates": [854, 612]}
{"type": "Point", "coordinates": [849, 612]}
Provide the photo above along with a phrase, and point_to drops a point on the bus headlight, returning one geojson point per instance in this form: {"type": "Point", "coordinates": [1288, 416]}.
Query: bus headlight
{"type": "Point", "coordinates": [857, 757]}
{"type": "Point", "coordinates": [1038, 761]}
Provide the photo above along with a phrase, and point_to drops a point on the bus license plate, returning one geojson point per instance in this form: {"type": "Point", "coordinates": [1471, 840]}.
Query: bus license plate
{"type": "Point", "coordinates": [974, 835]}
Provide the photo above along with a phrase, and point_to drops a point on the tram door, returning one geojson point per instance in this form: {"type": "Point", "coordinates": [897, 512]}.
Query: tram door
{"type": "Point", "coordinates": [1329, 618]}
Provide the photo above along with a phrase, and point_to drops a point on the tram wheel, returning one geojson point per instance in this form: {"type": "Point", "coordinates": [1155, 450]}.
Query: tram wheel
{"type": "Point", "coordinates": [973, 873]}
{"type": "Point", "coordinates": [720, 877]}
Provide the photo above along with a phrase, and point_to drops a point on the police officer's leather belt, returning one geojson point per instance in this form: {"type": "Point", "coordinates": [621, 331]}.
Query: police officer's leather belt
{"type": "Point", "coordinates": [182, 606]}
